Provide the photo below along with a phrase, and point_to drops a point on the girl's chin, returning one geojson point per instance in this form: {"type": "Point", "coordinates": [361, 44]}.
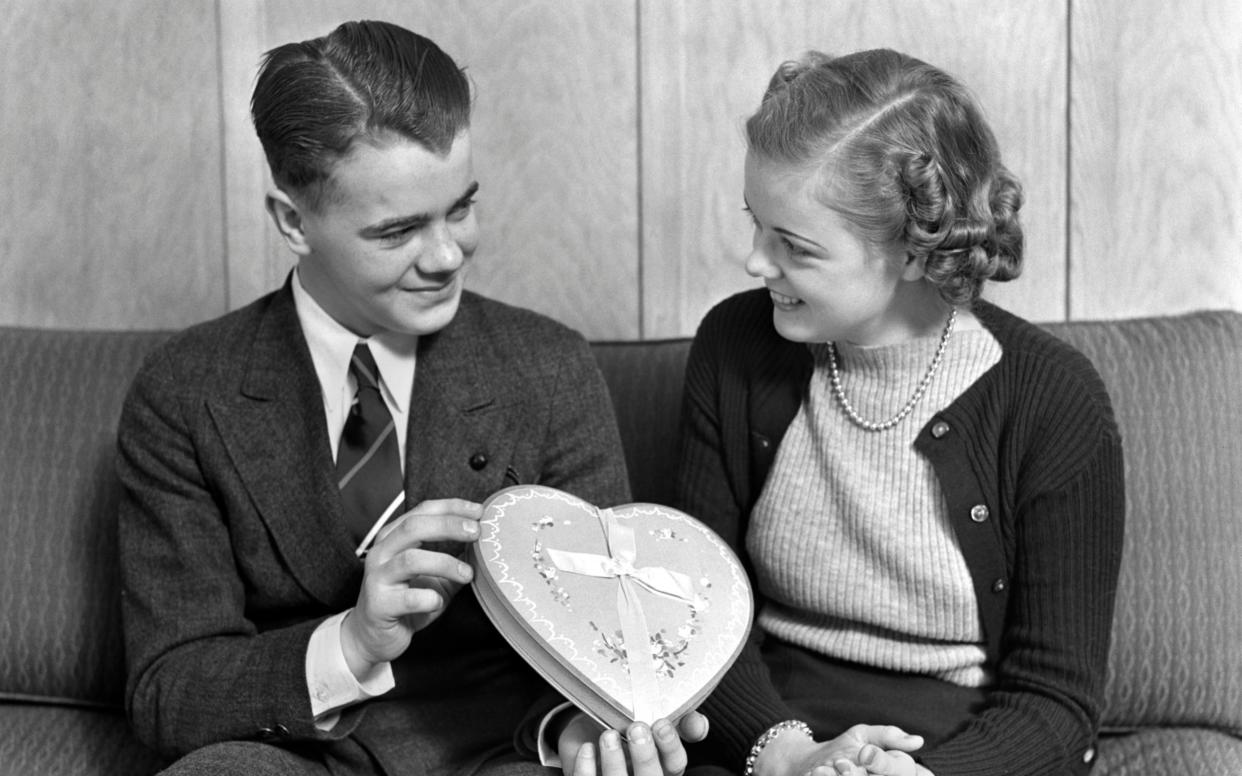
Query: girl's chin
{"type": "Point", "coordinates": [791, 328]}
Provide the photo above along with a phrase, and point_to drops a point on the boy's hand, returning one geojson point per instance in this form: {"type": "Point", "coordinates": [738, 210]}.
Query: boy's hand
{"type": "Point", "coordinates": [587, 749]}
{"type": "Point", "coordinates": [405, 587]}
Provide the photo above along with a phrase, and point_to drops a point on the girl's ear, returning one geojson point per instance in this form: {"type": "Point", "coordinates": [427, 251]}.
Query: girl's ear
{"type": "Point", "coordinates": [915, 268]}
{"type": "Point", "coordinates": [288, 219]}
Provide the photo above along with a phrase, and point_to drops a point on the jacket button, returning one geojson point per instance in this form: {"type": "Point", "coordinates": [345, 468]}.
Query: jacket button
{"type": "Point", "coordinates": [979, 513]}
{"type": "Point", "coordinates": [1088, 755]}
{"type": "Point", "coordinates": [478, 461]}
{"type": "Point", "coordinates": [940, 429]}
{"type": "Point", "coordinates": [764, 443]}
{"type": "Point", "coordinates": [999, 586]}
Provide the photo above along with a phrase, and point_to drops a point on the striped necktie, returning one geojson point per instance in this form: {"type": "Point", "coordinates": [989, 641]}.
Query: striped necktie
{"type": "Point", "coordinates": [368, 463]}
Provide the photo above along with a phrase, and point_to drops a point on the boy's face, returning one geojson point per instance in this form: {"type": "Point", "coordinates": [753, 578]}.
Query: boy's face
{"type": "Point", "coordinates": [388, 248]}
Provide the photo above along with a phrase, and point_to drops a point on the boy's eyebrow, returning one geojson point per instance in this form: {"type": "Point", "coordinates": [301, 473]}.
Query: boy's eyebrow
{"type": "Point", "coordinates": [417, 220]}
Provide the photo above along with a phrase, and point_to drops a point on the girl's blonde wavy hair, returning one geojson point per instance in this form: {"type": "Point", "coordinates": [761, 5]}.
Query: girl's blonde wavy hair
{"type": "Point", "coordinates": [905, 156]}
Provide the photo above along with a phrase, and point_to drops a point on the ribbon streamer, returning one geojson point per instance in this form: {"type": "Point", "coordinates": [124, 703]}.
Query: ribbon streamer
{"type": "Point", "coordinates": [619, 564]}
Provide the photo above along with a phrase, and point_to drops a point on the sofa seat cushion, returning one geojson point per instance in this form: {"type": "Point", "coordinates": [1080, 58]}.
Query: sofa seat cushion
{"type": "Point", "coordinates": [1169, 750]}
{"type": "Point", "coordinates": [38, 739]}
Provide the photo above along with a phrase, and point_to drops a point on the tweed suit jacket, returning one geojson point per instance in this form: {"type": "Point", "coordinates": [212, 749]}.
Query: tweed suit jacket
{"type": "Point", "coordinates": [233, 544]}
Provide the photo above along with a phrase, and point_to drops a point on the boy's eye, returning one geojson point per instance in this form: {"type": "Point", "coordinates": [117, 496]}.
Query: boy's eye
{"type": "Point", "coordinates": [397, 234]}
{"type": "Point", "coordinates": [462, 210]}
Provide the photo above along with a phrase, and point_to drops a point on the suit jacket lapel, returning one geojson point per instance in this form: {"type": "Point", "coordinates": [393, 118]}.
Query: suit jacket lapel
{"type": "Point", "coordinates": [453, 411]}
{"type": "Point", "coordinates": [276, 434]}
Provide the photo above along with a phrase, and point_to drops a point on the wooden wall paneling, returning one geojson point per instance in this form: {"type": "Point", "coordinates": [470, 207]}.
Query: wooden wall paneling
{"type": "Point", "coordinates": [111, 152]}
{"type": "Point", "coordinates": [555, 143]}
{"type": "Point", "coordinates": [704, 67]}
{"type": "Point", "coordinates": [257, 260]}
{"type": "Point", "coordinates": [1156, 205]}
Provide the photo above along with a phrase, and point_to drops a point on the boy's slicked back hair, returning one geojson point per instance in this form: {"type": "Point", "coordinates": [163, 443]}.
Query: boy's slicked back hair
{"type": "Point", "coordinates": [314, 99]}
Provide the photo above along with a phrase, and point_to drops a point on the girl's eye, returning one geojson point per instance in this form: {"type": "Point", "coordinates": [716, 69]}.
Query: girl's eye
{"type": "Point", "coordinates": [793, 250]}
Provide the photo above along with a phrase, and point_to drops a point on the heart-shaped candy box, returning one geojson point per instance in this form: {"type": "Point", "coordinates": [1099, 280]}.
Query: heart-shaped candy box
{"type": "Point", "coordinates": [580, 591]}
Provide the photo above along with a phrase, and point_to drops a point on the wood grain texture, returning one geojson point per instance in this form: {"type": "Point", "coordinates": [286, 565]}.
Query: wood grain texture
{"type": "Point", "coordinates": [704, 67]}
{"type": "Point", "coordinates": [110, 148]}
{"type": "Point", "coordinates": [256, 258]}
{"type": "Point", "coordinates": [1156, 216]}
{"type": "Point", "coordinates": [555, 144]}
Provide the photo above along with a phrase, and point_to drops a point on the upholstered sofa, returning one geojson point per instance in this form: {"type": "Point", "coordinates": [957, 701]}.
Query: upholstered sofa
{"type": "Point", "coordinates": [1175, 681]}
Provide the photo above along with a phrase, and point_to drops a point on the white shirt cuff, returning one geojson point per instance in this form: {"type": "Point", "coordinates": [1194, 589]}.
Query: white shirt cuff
{"type": "Point", "coordinates": [549, 755]}
{"type": "Point", "coordinates": [331, 684]}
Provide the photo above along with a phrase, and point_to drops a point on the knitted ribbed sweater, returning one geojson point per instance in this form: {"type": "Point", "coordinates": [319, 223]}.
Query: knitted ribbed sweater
{"type": "Point", "coordinates": [1030, 450]}
{"type": "Point", "coordinates": [898, 594]}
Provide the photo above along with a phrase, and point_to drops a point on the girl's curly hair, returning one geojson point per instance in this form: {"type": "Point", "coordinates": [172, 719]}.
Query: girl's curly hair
{"type": "Point", "coordinates": [905, 155]}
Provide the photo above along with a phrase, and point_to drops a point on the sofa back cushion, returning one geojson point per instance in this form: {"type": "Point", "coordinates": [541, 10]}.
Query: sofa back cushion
{"type": "Point", "coordinates": [60, 400]}
{"type": "Point", "coordinates": [1176, 386]}
{"type": "Point", "coordinates": [1175, 383]}
{"type": "Point", "coordinates": [645, 380]}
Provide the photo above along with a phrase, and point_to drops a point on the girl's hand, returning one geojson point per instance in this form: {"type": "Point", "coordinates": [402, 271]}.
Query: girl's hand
{"type": "Point", "coordinates": [873, 761]}
{"type": "Point", "coordinates": [886, 745]}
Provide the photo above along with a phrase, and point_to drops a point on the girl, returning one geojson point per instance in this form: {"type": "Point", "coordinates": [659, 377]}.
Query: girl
{"type": "Point", "coordinates": [926, 489]}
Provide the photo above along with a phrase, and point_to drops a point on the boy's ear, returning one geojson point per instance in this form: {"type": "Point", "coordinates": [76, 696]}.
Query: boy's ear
{"type": "Point", "coordinates": [287, 216]}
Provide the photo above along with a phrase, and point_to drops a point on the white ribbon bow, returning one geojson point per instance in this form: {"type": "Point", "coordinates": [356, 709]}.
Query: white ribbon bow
{"type": "Point", "coordinates": [619, 564]}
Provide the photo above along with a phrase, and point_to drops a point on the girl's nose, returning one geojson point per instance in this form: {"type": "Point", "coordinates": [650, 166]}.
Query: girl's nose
{"type": "Point", "coordinates": [759, 264]}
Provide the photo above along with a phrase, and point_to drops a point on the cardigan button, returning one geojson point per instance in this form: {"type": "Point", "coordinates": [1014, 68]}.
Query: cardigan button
{"type": "Point", "coordinates": [979, 513]}
{"type": "Point", "coordinates": [940, 429]}
{"type": "Point", "coordinates": [478, 461]}
{"type": "Point", "coordinates": [999, 586]}
{"type": "Point", "coordinates": [1088, 755]}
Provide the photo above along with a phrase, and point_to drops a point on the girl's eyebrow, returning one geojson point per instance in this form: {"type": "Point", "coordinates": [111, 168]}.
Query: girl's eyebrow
{"type": "Point", "coordinates": [782, 230]}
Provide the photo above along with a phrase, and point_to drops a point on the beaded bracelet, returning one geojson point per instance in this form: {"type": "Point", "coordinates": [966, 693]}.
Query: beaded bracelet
{"type": "Point", "coordinates": [771, 733]}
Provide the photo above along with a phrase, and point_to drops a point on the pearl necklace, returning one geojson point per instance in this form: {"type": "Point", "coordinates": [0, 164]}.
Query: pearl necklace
{"type": "Point", "coordinates": [868, 425]}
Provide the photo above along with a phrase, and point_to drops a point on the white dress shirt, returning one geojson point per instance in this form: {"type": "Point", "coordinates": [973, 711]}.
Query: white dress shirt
{"type": "Point", "coordinates": [331, 684]}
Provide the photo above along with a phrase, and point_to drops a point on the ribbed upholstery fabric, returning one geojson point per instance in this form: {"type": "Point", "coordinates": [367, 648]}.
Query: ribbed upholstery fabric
{"type": "Point", "coordinates": [60, 399]}
{"type": "Point", "coordinates": [1171, 750]}
{"type": "Point", "coordinates": [59, 740]}
{"type": "Point", "coordinates": [1176, 385]}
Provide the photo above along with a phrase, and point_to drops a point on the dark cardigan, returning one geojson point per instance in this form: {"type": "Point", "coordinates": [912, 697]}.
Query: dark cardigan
{"type": "Point", "coordinates": [1033, 440]}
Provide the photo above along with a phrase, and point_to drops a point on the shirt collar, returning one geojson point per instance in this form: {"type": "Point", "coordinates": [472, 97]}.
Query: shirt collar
{"type": "Point", "coordinates": [332, 345]}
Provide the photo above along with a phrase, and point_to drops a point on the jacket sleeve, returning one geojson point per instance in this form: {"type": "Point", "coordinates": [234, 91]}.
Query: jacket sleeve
{"type": "Point", "coordinates": [199, 670]}
{"type": "Point", "coordinates": [582, 452]}
{"type": "Point", "coordinates": [1043, 713]}
{"type": "Point", "coordinates": [745, 703]}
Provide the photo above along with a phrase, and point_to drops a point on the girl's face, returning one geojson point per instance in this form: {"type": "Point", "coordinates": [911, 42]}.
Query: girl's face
{"type": "Point", "coordinates": [827, 283]}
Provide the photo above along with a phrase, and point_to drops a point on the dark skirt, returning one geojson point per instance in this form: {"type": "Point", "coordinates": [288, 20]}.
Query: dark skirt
{"type": "Point", "coordinates": [831, 695]}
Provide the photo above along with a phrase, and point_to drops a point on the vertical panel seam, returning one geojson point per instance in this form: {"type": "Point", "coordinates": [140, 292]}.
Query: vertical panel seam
{"type": "Point", "coordinates": [1069, 158]}
{"type": "Point", "coordinates": [224, 154]}
{"type": "Point", "coordinates": [638, 179]}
